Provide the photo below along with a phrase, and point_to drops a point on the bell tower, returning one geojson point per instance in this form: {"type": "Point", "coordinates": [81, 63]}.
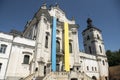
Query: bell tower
{"type": "Point", "coordinates": [94, 45]}
{"type": "Point", "coordinates": [93, 42]}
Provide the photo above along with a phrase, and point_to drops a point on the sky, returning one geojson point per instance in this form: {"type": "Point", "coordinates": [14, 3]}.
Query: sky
{"type": "Point", "coordinates": [105, 15]}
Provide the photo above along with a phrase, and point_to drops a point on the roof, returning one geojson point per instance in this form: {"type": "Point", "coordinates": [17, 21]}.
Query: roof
{"type": "Point", "coordinates": [90, 26]}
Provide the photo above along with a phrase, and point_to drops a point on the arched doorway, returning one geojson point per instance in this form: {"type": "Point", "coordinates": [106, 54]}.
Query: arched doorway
{"type": "Point", "coordinates": [94, 78]}
{"type": "Point", "coordinates": [74, 79]}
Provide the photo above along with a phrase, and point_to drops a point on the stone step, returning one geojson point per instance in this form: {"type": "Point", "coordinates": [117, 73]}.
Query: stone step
{"type": "Point", "coordinates": [39, 78]}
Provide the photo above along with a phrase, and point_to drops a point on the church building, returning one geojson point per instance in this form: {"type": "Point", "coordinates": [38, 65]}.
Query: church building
{"type": "Point", "coordinates": [48, 49]}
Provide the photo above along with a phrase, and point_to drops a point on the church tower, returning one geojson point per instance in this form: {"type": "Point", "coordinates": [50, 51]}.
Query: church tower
{"type": "Point", "coordinates": [93, 42]}
{"type": "Point", "coordinates": [94, 45]}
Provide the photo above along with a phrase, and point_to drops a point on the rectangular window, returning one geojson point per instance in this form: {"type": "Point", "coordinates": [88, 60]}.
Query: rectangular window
{"type": "Point", "coordinates": [95, 69]}
{"type": "Point", "coordinates": [3, 48]}
{"type": "Point", "coordinates": [46, 42]}
{"type": "Point", "coordinates": [26, 59]}
{"type": "Point", "coordinates": [100, 49]}
{"type": "Point", "coordinates": [90, 50]}
{"type": "Point", "coordinates": [0, 66]}
{"type": "Point", "coordinates": [88, 38]}
{"type": "Point", "coordinates": [87, 67]}
{"type": "Point", "coordinates": [103, 62]}
{"type": "Point", "coordinates": [92, 69]}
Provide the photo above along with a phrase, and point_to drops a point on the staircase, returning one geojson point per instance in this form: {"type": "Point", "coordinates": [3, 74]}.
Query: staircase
{"type": "Point", "coordinates": [39, 78]}
{"type": "Point", "coordinates": [86, 77]}
{"type": "Point", "coordinates": [60, 76]}
{"type": "Point", "coordinates": [67, 76]}
{"type": "Point", "coordinates": [31, 76]}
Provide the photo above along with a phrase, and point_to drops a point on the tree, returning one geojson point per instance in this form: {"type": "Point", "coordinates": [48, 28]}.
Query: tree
{"type": "Point", "coordinates": [113, 57]}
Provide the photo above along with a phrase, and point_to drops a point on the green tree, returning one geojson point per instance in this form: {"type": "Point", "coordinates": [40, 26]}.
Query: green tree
{"type": "Point", "coordinates": [113, 57]}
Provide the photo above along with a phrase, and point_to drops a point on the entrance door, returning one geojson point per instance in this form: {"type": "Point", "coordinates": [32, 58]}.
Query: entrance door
{"type": "Point", "coordinates": [94, 78]}
{"type": "Point", "coordinates": [74, 79]}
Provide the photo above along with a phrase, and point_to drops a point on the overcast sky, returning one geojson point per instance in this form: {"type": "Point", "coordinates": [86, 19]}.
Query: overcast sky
{"type": "Point", "coordinates": [105, 15]}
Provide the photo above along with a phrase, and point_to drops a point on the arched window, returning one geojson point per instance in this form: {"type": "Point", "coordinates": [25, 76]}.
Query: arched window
{"type": "Point", "coordinates": [95, 69]}
{"type": "Point", "coordinates": [70, 47]}
{"type": "Point", "coordinates": [90, 51]}
{"type": "Point", "coordinates": [57, 46]}
{"type": "Point", "coordinates": [88, 37]}
{"type": "Point", "coordinates": [92, 69]}
{"type": "Point", "coordinates": [94, 78]}
{"type": "Point", "coordinates": [46, 42]}
{"type": "Point", "coordinates": [26, 59]}
{"type": "Point", "coordinates": [98, 37]}
{"type": "Point", "coordinates": [103, 62]}
{"type": "Point", "coordinates": [87, 67]}
{"type": "Point", "coordinates": [100, 49]}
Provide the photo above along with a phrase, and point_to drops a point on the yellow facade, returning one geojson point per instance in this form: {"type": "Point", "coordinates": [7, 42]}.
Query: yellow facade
{"type": "Point", "coordinates": [66, 47]}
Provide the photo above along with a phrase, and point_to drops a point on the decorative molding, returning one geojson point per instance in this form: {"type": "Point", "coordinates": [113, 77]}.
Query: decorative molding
{"type": "Point", "coordinates": [3, 58]}
{"type": "Point", "coordinates": [48, 33]}
{"type": "Point", "coordinates": [98, 59]}
{"type": "Point", "coordinates": [101, 56]}
{"type": "Point", "coordinates": [70, 40]}
{"type": "Point", "coordinates": [26, 52]}
{"type": "Point", "coordinates": [58, 38]}
{"type": "Point", "coordinates": [5, 40]}
{"type": "Point", "coordinates": [24, 45]}
{"type": "Point", "coordinates": [88, 58]}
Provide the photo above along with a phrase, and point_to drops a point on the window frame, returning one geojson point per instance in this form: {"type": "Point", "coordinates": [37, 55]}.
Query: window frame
{"type": "Point", "coordinates": [103, 62]}
{"type": "Point", "coordinates": [70, 48]}
{"type": "Point", "coordinates": [46, 41]}
{"type": "Point", "coordinates": [95, 68]}
{"type": "Point", "coordinates": [88, 68]}
{"type": "Point", "coordinates": [26, 57]}
{"type": "Point", "coordinates": [90, 50]}
{"type": "Point", "coordinates": [3, 48]}
{"type": "Point", "coordinates": [98, 37]}
{"type": "Point", "coordinates": [1, 66]}
{"type": "Point", "coordinates": [92, 68]}
{"type": "Point", "coordinates": [88, 37]}
{"type": "Point", "coordinates": [57, 46]}
{"type": "Point", "coordinates": [100, 48]}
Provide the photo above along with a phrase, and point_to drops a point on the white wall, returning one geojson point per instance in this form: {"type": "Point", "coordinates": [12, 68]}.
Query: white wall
{"type": "Point", "coordinates": [3, 68]}
{"type": "Point", "coordinates": [90, 61]}
{"type": "Point", "coordinates": [4, 57]}
{"type": "Point", "coordinates": [20, 47]}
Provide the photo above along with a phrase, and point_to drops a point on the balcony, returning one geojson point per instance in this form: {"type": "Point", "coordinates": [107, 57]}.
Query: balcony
{"type": "Point", "coordinates": [59, 52]}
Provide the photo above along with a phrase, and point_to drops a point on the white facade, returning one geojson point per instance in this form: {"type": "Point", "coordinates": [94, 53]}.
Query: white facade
{"type": "Point", "coordinates": [6, 40]}
{"type": "Point", "coordinates": [20, 48]}
{"type": "Point", "coordinates": [30, 52]}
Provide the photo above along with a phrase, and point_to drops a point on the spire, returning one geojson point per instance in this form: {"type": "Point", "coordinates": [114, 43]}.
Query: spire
{"type": "Point", "coordinates": [57, 5]}
{"type": "Point", "coordinates": [44, 6]}
{"type": "Point", "coordinates": [89, 22]}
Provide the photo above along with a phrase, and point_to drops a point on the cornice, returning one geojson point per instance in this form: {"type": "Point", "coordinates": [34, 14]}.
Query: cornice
{"type": "Point", "coordinates": [24, 45]}
{"type": "Point", "coordinates": [5, 40]}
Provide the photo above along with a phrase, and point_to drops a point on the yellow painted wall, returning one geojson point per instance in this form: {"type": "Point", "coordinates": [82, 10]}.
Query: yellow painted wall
{"type": "Point", "coordinates": [66, 47]}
